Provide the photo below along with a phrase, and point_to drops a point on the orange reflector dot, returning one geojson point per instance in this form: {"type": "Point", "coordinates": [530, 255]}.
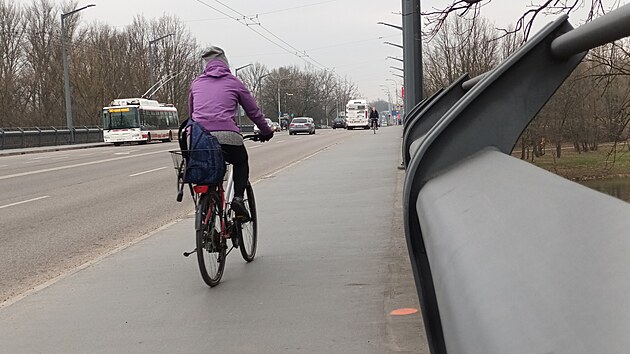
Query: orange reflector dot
{"type": "Point", "coordinates": [403, 312]}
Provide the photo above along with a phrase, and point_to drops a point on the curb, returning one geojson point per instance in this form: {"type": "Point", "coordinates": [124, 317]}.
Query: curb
{"type": "Point", "coordinates": [13, 152]}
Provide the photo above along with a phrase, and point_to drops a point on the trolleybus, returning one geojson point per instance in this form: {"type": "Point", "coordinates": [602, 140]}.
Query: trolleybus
{"type": "Point", "coordinates": [357, 114]}
{"type": "Point", "coordinates": [139, 120]}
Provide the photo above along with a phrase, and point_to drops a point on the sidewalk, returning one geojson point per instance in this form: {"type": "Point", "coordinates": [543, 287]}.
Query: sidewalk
{"type": "Point", "coordinates": [331, 266]}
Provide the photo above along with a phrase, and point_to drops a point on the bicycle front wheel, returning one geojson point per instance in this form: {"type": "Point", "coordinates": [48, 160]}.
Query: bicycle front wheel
{"type": "Point", "coordinates": [248, 231]}
{"type": "Point", "coordinates": [211, 250]}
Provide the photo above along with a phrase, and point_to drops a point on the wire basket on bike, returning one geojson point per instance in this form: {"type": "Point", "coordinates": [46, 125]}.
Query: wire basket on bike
{"type": "Point", "coordinates": [179, 162]}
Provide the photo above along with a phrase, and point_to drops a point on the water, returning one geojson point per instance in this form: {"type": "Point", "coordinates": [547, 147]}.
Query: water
{"type": "Point", "coordinates": [617, 187]}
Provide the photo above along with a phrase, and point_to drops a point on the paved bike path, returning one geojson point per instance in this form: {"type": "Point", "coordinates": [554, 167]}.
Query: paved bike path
{"type": "Point", "coordinates": [331, 265]}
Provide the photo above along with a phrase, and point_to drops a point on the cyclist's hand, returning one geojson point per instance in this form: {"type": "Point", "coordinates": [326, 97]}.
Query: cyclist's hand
{"type": "Point", "coordinates": [262, 138]}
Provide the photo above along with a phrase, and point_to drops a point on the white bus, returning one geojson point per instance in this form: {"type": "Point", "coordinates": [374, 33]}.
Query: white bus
{"type": "Point", "coordinates": [357, 114]}
{"type": "Point", "coordinates": [139, 120]}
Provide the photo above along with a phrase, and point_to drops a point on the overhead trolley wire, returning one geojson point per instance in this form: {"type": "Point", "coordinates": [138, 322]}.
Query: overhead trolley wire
{"type": "Point", "coordinates": [298, 53]}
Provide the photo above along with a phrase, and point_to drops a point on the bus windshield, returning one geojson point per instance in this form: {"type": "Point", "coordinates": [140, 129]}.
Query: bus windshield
{"type": "Point", "coordinates": [120, 118]}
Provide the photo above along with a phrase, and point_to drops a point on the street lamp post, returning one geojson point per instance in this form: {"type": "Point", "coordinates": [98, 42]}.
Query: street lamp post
{"type": "Point", "coordinates": [412, 54]}
{"type": "Point", "coordinates": [259, 86]}
{"type": "Point", "coordinates": [239, 107]}
{"type": "Point", "coordinates": [286, 99]}
{"type": "Point", "coordinates": [151, 56]}
{"type": "Point", "coordinates": [66, 71]}
{"type": "Point", "coordinates": [389, 97]}
{"type": "Point", "coordinates": [279, 112]}
{"type": "Point", "coordinates": [394, 44]}
{"type": "Point", "coordinates": [400, 60]}
{"type": "Point", "coordinates": [393, 67]}
{"type": "Point", "coordinates": [390, 25]}
{"type": "Point", "coordinates": [396, 93]}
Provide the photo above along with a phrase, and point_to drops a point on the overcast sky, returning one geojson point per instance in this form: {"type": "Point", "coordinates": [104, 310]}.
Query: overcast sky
{"type": "Point", "coordinates": [339, 34]}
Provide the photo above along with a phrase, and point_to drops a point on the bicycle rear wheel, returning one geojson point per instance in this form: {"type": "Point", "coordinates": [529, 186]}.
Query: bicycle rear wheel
{"type": "Point", "coordinates": [211, 249]}
{"type": "Point", "coordinates": [248, 231]}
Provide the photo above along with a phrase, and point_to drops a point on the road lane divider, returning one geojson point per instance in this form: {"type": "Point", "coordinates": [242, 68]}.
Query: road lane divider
{"type": "Point", "coordinates": [24, 201]}
{"type": "Point", "coordinates": [149, 171]}
{"type": "Point", "coordinates": [80, 164]}
{"type": "Point", "coordinates": [273, 173]}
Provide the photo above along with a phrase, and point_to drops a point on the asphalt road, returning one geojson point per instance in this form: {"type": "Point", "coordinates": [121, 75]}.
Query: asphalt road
{"type": "Point", "coordinates": [61, 209]}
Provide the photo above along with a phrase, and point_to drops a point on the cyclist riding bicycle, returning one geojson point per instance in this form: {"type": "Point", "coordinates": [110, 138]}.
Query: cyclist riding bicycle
{"type": "Point", "coordinates": [213, 102]}
{"type": "Point", "coordinates": [373, 117]}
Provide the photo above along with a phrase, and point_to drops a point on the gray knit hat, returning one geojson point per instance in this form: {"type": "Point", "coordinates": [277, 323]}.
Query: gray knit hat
{"type": "Point", "coordinates": [214, 53]}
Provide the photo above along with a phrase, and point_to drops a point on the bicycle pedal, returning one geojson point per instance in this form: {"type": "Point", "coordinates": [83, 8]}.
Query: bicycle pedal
{"type": "Point", "coordinates": [243, 219]}
{"type": "Point", "coordinates": [186, 254]}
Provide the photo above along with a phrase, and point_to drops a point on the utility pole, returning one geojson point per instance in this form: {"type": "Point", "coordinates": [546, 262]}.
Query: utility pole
{"type": "Point", "coordinates": [412, 54]}
{"type": "Point", "coordinates": [279, 112]}
{"type": "Point", "coordinates": [66, 71]}
{"type": "Point", "coordinates": [239, 107]}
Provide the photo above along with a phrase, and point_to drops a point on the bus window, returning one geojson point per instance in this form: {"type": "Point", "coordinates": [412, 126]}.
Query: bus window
{"type": "Point", "coordinates": [125, 118]}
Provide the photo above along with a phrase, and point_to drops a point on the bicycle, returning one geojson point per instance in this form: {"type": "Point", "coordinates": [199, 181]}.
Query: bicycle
{"type": "Point", "coordinates": [215, 221]}
{"type": "Point", "coordinates": [374, 124]}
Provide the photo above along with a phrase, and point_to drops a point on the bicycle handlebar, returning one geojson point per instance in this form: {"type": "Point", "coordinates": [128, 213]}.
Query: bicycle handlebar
{"type": "Point", "coordinates": [253, 137]}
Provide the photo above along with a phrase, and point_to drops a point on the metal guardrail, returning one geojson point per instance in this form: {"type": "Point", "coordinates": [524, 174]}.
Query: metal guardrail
{"type": "Point", "coordinates": [503, 260]}
{"type": "Point", "coordinates": [17, 138]}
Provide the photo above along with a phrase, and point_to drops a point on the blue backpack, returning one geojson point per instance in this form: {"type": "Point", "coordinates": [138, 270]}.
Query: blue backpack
{"type": "Point", "coordinates": [202, 153]}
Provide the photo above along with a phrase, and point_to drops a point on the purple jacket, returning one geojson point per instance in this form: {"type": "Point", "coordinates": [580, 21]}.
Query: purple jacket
{"type": "Point", "coordinates": [214, 96]}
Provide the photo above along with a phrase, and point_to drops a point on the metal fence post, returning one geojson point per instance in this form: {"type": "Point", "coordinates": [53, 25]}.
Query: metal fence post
{"type": "Point", "coordinates": [23, 137]}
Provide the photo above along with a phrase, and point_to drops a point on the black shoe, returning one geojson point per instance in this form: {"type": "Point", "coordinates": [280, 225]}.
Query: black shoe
{"type": "Point", "coordinates": [238, 205]}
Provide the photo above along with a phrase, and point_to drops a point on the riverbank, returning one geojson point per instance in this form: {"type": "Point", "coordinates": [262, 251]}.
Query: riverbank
{"type": "Point", "coordinates": [586, 166]}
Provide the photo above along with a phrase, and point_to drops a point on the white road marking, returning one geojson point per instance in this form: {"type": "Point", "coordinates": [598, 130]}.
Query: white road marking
{"type": "Point", "coordinates": [80, 165]}
{"type": "Point", "coordinates": [149, 171]}
{"type": "Point", "coordinates": [24, 201]}
{"type": "Point", "coordinates": [279, 141]}
{"type": "Point", "coordinates": [4, 165]}
{"type": "Point", "coordinates": [273, 173]}
{"type": "Point", "coordinates": [254, 147]}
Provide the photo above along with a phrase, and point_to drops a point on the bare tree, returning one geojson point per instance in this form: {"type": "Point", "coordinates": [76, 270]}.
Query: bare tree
{"type": "Point", "coordinates": [43, 74]}
{"type": "Point", "coordinates": [12, 63]}
{"type": "Point", "coordinates": [436, 18]}
{"type": "Point", "coordinates": [450, 54]}
{"type": "Point", "coordinates": [252, 78]}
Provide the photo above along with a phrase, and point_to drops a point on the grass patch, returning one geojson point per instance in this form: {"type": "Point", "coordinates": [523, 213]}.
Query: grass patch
{"type": "Point", "coordinates": [586, 165]}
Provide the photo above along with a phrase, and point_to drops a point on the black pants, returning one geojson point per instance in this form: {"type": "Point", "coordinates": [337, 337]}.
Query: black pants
{"type": "Point", "coordinates": [237, 156]}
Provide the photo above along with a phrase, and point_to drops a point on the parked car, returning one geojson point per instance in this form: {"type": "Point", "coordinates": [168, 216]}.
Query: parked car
{"type": "Point", "coordinates": [339, 123]}
{"type": "Point", "coordinates": [302, 125]}
{"type": "Point", "coordinates": [269, 123]}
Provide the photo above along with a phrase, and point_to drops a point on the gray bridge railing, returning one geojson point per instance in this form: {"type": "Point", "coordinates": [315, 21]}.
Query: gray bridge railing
{"type": "Point", "coordinates": [506, 256]}
{"type": "Point", "coordinates": [18, 138]}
